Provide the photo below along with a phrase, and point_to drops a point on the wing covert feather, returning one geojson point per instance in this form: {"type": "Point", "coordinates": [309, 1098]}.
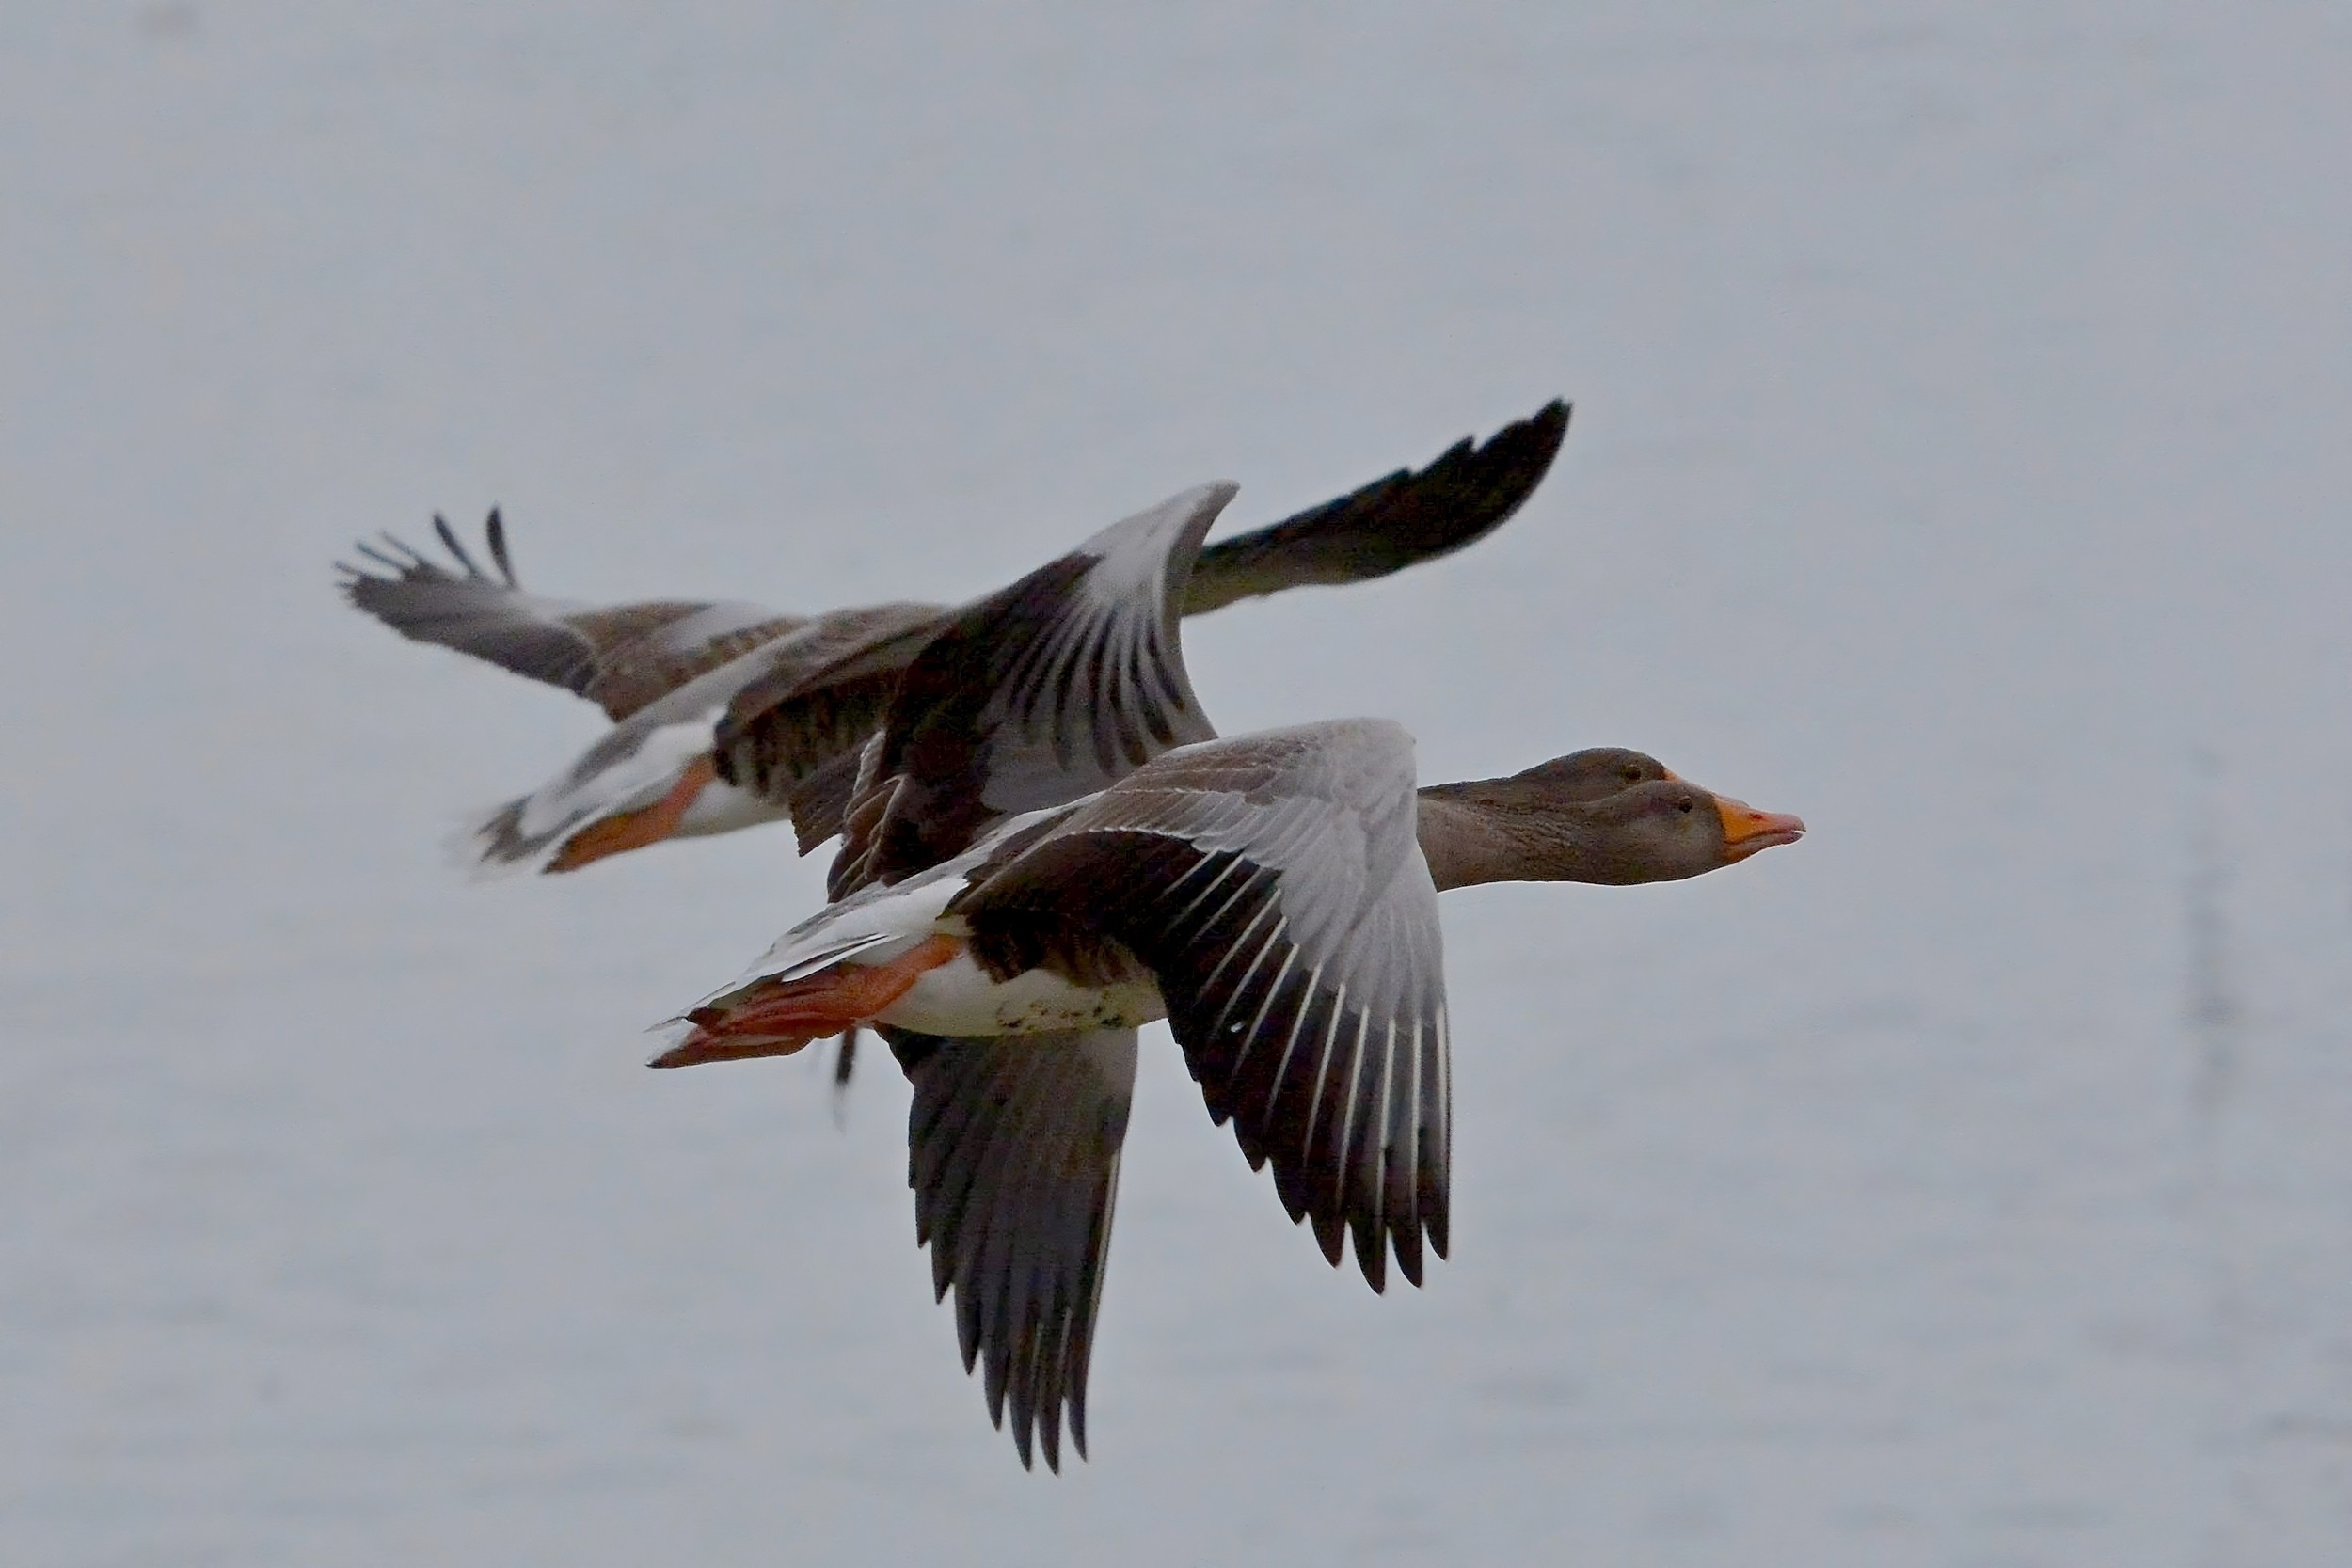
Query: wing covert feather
{"type": "Point", "coordinates": [1034, 696]}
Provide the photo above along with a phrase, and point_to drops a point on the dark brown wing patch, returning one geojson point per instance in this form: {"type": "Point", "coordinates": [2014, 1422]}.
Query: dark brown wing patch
{"type": "Point", "coordinates": [1034, 696]}
{"type": "Point", "coordinates": [792, 736]}
{"type": "Point", "coordinates": [939, 725]}
{"type": "Point", "coordinates": [640, 663]}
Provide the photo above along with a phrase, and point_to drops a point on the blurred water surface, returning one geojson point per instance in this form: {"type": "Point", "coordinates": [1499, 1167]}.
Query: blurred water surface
{"type": "Point", "coordinates": [1960, 460]}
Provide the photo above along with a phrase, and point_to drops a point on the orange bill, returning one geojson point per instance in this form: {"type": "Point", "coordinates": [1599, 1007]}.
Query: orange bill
{"type": "Point", "coordinates": [1747, 830]}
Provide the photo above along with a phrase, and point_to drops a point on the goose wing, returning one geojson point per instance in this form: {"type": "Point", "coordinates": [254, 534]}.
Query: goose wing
{"type": "Point", "coordinates": [1401, 521]}
{"type": "Point", "coordinates": [619, 656]}
{"type": "Point", "coordinates": [1012, 1151]}
{"type": "Point", "coordinates": [793, 738]}
{"type": "Point", "coordinates": [1274, 885]}
{"type": "Point", "coordinates": [1034, 696]}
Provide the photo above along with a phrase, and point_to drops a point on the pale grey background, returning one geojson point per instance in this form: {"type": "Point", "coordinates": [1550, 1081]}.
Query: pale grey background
{"type": "Point", "coordinates": [1962, 449]}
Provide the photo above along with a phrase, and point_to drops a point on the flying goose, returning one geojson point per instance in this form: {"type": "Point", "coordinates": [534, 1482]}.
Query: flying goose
{"type": "Point", "coordinates": [1047, 846]}
{"type": "Point", "coordinates": [727, 714]}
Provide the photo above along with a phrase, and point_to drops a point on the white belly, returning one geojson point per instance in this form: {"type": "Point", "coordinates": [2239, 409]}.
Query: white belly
{"type": "Point", "coordinates": [958, 999]}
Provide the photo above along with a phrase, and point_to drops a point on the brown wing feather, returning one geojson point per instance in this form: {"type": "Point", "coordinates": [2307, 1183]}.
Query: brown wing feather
{"type": "Point", "coordinates": [792, 736]}
{"type": "Point", "coordinates": [619, 656]}
{"type": "Point", "coordinates": [640, 665]}
{"type": "Point", "coordinates": [1040, 693]}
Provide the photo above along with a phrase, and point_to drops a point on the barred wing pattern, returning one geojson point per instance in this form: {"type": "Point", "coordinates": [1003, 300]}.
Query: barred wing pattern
{"type": "Point", "coordinates": [1034, 696]}
{"type": "Point", "coordinates": [1012, 1151]}
{"type": "Point", "coordinates": [619, 656]}
{"type": "Point", "coordinates": [1273, 884]}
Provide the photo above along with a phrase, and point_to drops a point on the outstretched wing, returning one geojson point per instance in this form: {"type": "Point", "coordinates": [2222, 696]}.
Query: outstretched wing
{"type": "Point", "coordinates": [1274, 886]}
{"type": "Point", "coordinates": [1393, 523]}
{"type": "Point", "coordinates": [619, 656]}
{"type": "Point", "coordinates": [1034, 696]}
{"type": "Point", "coordinates": [792, 739]}
{"type": "Point", "coordinates": [1012, 1151]}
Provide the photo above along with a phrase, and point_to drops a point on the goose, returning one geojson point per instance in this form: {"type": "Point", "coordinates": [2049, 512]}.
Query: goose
{"type": "Point", "coordinates": [1048, 846]}
{"type": "Point", "coordinates": [726, 715]}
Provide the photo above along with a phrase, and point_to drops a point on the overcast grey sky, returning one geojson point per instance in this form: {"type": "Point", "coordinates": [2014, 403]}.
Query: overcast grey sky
{"type": "Point", "coordinates": [1959, 453]}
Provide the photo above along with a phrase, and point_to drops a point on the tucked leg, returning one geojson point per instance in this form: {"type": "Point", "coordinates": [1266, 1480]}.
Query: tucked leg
{"type": "Point", "coordinates": [634, 830]}
{"type": "Point", "coordinates": [779, 1020]}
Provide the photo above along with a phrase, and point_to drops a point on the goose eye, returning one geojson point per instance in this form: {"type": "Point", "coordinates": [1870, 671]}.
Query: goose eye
{"type": "Point", "coordinates": [1684, 805]}
{"type": "Point", "coordinates": [1630, 775]}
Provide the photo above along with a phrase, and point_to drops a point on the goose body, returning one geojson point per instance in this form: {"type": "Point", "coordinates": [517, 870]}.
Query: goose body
{"type": "Point", "coordinates": [727, 714]}
{"type": "Point", "coordinates": [1047, 845]}
{"type": "Point", "coordinates": [654, 776]}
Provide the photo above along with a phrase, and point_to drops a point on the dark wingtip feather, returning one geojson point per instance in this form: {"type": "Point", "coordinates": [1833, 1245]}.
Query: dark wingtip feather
{"type": "Point", "coordinates": [968, 1340]}
{"type": "Point", "coordinates": [1408, 1260]}
{"type": "Point", "coordinates": [1330, 1235]}
{"type": "Point", "coordinates": [390, 563]}
{"type": "Point", "coordinates": [454, 546]}
{"type": "Point", "coordinates": [1372, 1252]}
{"type": "Point", "coordinates": [990, 1133]}
{"type": "Point", "coordinates": [1398, 520]}
{"type": "Point", "coordinates": [494, 529]}
{"type": "Point", "coordinates": [407, 564]}
{"type": "Point", "coordinates": [843, 1067]}
{"type": "Point", "coordinates": [994, 1377]}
